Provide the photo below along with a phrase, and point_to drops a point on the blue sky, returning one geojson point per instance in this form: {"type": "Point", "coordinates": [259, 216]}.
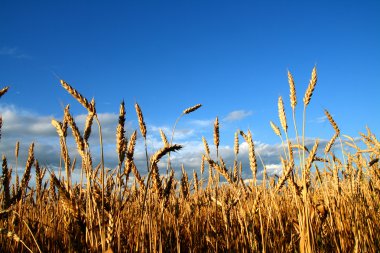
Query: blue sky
{"type": "Point", "coordinates": [230, 56]}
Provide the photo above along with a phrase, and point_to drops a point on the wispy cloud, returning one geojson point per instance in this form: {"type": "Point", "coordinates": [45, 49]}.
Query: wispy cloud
{"type": "Point", "coordinates": [237, 115]}
{"type": "Point", "coordinates": [202, 123]}
{"type": "Point", "coordinates": [320, 120]}
{"type": "Point", "coordinates": [12, 52]}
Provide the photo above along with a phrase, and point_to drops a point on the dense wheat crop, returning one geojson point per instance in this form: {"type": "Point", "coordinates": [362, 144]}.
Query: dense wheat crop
{"type": "Point", "coordinates": [326, 199]}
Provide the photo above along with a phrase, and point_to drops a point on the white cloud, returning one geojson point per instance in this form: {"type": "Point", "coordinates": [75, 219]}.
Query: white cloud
{"type": "Point", "coordinates": [202, 123]}
{"type": "Point", "coordinates": [13, 52]}
{"type": "Point", "coordinates": [237, 115]}
{"type": "Point", "coordinates": [320, 120]}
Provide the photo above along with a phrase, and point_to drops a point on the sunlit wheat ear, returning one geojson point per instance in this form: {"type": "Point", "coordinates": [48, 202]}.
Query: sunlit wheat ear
{"type": "Point", "coordinates": [157, 185]}
{"type": "Point", "coordinates": [235, 171]}
{"type": "Point", "coordinates": [121, 142]}
{"type": "Point", "coordinates": [3, 91]}
{"type": "Point", "coordinates": [205, 144]}
{"type": "Point", "coordinates": [168, 188]}
{"type": "Point", "coordinates": [13, 236]}
{"type": "Point", "coordinates": [131, 145]}
{"type": "Point", "coordinates": [88, 124]}
{"type": "Point", "coordinates": [291, 156]}
{"type": "Point", "coordinates": [236, 144]}
{"type": "Point", "coordinates": [191, 109]}
{"type": "Point", "coordinates": [58, 127]}
{"type": "Point", "coordinates": [310, 161]}
{"type": "Point", "coordinates": [28, 167]}
{"type": "Point", "coordinates": [275, 128]}
{"type": "Point", "coordinates": [221, 169]}
{"type": "Point", "coordinates": [332, 122]}
{"type": "Point", "coordinates": [196, 183]}
{"type": "Point", "coordinates": [252, 155]}
{"type": "Point", "coordinates": [77, 136]}
{"type": "Point", "coordinates": [216, 134]}
{"type": "Point", "coordinates": [185, 188]}
{"type": "Point", "coordinates": [141, 120]}
{"type": "Point", "coordinates": [282, 115]}
{"type": "Point", "coordinates": [281, 181]}
{"type": "Point", "coordinates": [81, 99]}
{"type": "Point", "coordinates": [163, 151]}
{"type": "Point", "coordinates": [17, 148]}
{"type": "Point", "coordinates": [137, 176]}
{"type": "Point", "coordinates": [5, 181]}
{"type": "Point", "coordinates": [331, 143]}
{"type": "Point", "coordinates": [163, 138]}
{"type": "Point", "coordinates": [293, 96]}
{"type": "Point", "coordinates": [203, 164]}
{"type": "Point", "coordinates": [39, 176]}
{"type": "Point", "coordinates": [310, 88]}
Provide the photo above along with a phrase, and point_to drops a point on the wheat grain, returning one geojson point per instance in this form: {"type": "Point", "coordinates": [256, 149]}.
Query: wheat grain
{"type": "Point", "coordinates": [310, 88]}
{"type": "Point", "coordinates": [5, 181]}
{"type": "Point", "coordinates": [141, 120]}
{"type": "Point", "coordinates": [251, 155]}
{"type": "Point", "coordinates": [3, 91]}
{"type": "Point", "coordinates": [121, 142]}
{"type": "Point", "coordinates": [205, 144]}
{"type": "Point", "coordinates": [332, 122]}
{"type": "Point", "coordinates": [236, 144]}
{"type": "Point", "coordinates": [81, 99]}
{"type": "Point", "coordinates": [75, 131]}
{"type": "Point", "coordinates": [216, 134]}
{"type": "Point", "coordinates": [282, 115]}
{"type": "Point", "coordinates": [221, 169]}
{"type": "Point", "coordinates": [331, 143]}
{"type": "Point", "coordinates": [275, 128]}
{"type": "Point", "coordinates": [293, 97]}
{"type": "Point", "coordinates": [163, 138]}
{"type": "Point", "coordinates": [192, 109]}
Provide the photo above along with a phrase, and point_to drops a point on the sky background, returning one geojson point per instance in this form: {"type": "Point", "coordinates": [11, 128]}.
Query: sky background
{"type": "Point", "coordinates": [230, 56]}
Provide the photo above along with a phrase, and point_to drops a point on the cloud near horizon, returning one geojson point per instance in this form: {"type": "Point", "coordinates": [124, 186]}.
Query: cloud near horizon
{"type": "Point", "coordinates": [237, 115]}
{"type": "Point", "coordinates": [28, 127]}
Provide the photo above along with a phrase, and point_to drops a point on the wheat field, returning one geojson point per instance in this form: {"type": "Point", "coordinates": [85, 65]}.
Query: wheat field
{"type": "Point", "coordinates": [326, 199]}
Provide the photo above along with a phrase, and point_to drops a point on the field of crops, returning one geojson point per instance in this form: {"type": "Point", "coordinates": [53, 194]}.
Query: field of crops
{"type": "Point", "coordinates": [326, 200]}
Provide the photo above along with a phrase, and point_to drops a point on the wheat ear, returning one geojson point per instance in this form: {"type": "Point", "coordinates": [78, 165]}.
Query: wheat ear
{"type": "Point", "coordinates": [81, 99]}
{"type": "Point", "coordinates": [293, 96]}
{"type": "Point", "coordinates": [332, 122]}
